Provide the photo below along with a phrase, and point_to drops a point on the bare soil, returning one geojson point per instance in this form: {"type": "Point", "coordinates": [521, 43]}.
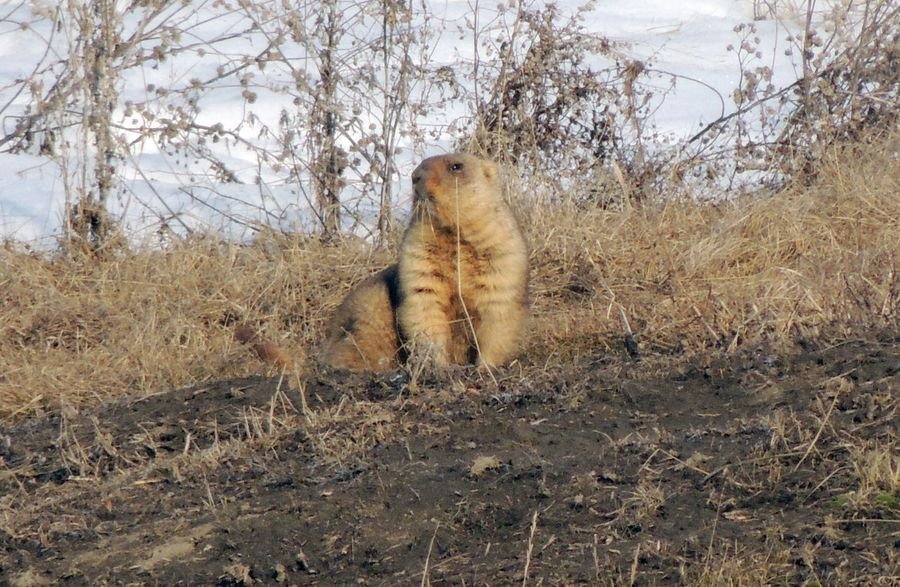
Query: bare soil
{"type": "Point", "coordinates": [734, 470]}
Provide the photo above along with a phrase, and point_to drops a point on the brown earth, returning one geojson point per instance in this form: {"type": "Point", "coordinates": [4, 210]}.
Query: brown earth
{"type": "Point", "coordinates": [738, 470]}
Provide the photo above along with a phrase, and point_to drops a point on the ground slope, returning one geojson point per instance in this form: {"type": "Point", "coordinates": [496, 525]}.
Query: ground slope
{"type": "Point", "coordinates": [752, 469]}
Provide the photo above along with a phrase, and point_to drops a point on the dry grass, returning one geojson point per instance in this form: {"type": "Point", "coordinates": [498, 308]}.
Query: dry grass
{"type": "Point", "coordinates": [816, 264]}
{"type": "Point", "coordinates": [821, 262]}
{"type": "Point", "coordinates": [83, 330]}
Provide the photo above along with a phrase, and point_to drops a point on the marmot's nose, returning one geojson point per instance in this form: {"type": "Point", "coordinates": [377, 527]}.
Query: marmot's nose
{"type": "Point", "coordinates": [420, 172]}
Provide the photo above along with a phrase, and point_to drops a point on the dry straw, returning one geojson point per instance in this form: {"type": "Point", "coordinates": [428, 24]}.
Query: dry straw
{"type": "Point", "coordinates": [812, 264]}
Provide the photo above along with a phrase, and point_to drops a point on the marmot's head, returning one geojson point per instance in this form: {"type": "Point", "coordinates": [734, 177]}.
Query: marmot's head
{"type": "Point", "coordinates": [454, 186]}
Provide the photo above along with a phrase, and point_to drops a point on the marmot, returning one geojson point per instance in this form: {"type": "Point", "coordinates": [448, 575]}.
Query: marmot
{"type": "Point", "coordinates": [457, 295]}
{"type": "Point", "coordinates": [463, 269]}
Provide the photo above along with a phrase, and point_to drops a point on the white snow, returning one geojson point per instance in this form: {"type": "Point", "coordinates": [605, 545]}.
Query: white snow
{"type": "Point", "coordinates": [685, 39]}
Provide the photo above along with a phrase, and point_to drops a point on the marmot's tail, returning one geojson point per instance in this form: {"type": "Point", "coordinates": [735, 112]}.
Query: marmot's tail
{"type": "Point", "coordinates": [265, 349]}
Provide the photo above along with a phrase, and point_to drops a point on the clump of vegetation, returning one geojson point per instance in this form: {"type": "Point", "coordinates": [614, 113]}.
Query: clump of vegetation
{"type": "Point", "coordinates": [847, 90]}
{"type": "Point", "coordinates": [815, 263]}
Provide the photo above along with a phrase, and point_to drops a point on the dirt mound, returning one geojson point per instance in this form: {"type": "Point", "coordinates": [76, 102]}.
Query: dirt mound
{"type": "Point", "coordinates": [758, 469]}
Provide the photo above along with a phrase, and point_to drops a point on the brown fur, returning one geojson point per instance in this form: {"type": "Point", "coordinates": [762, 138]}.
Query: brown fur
{"type": "Point", "coordinates": [458, 293]}
{"type": "Point", "coordinates": [463, 270]}
{"type": "Point", "coordinates": [362, 334]}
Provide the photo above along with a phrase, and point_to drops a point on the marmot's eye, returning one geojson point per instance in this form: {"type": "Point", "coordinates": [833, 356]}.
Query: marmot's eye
{"type": "Point", "coordinates": [456, 167]}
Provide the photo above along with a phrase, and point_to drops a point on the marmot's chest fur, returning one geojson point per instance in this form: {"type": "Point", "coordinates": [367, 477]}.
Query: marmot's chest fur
{"type": "Point", "coordinates": [463, 267]}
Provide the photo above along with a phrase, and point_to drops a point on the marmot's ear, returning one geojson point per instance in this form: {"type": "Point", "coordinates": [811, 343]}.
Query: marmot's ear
{"type": "Point", "coordinates": [489, 169]}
